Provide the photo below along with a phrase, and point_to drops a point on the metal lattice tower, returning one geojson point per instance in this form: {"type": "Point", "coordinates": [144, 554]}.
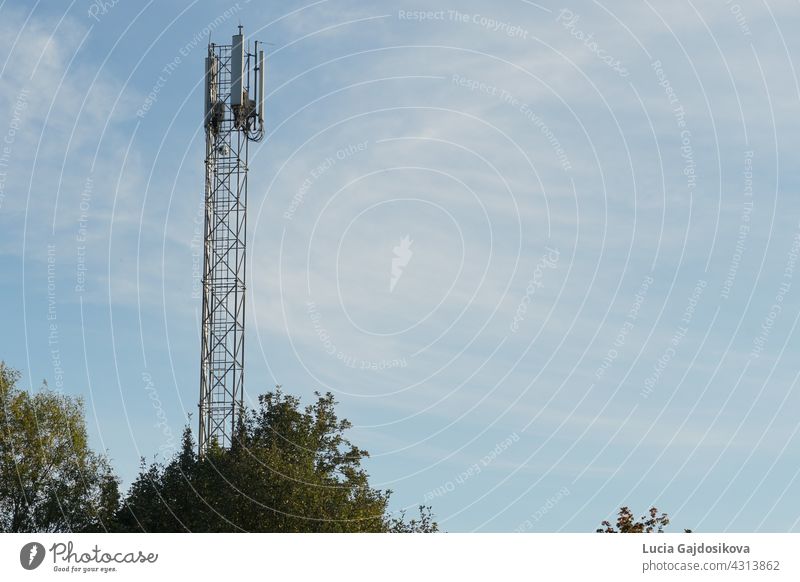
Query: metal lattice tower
{"type": "Point", "coordinates": [232, 120]}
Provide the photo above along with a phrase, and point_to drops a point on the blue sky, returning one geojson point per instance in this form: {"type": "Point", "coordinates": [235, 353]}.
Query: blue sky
{"type": "Point", "coordinates": [600, 299]}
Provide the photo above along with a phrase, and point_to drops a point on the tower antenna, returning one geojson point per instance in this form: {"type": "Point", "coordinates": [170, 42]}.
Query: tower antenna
{"type": "Point", "coordinates": [234, 81]}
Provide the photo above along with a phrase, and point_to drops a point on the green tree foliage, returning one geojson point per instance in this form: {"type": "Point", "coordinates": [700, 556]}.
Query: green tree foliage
{"type": "Point", "coordinates": [423, 524]}
{"type": "Point", "coordinates": [50, 481]}
{"type": "Point", "coordinates": [290, 469]}
{"type": "Point", "coordinates": [626, 523]}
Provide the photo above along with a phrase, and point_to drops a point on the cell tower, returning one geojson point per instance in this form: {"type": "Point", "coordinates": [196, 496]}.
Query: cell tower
{"type": "Point", "coordinates": [234, 116]}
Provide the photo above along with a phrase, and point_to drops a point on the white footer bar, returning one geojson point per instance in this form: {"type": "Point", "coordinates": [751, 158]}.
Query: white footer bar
{"type": "Point", "coordinates": [378, 557]}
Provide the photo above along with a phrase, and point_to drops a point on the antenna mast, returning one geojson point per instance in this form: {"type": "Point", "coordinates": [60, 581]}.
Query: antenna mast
{"type": "Point", "coordinates": [234, 116]}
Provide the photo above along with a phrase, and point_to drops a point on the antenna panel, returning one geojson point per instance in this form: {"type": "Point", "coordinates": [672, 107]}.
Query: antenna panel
{"type": "Point", "coordinates": [211, 86]}
{"type": "Point", "coordinates": [260, 106]}
{"type": "Point", "coordinates": [237, 69]}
